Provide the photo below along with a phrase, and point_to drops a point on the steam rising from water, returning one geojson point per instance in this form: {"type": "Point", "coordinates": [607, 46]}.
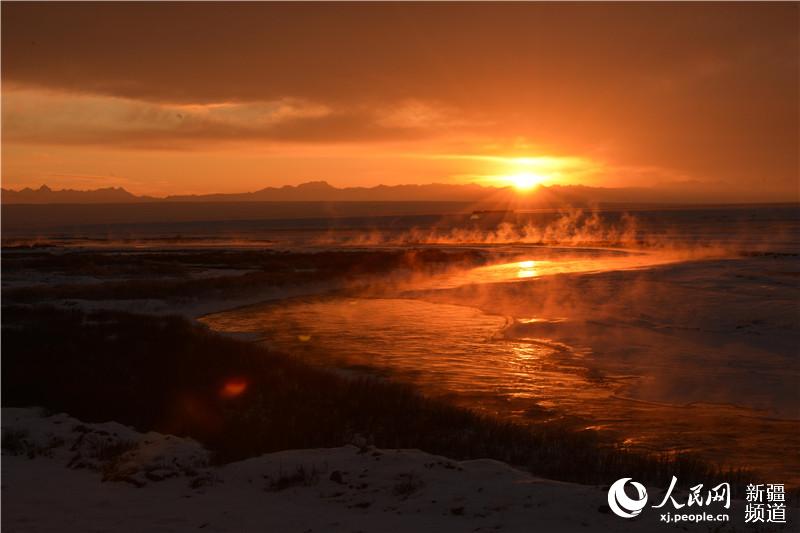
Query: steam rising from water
{"type": "Point", "coordinates": [673, 229]}
{"type": "Point", "coordinates": [665, 343]}
{"type": "Point", "coordinates": [581, 227]}
{"type": "Point", "coordinates": [571, 227]}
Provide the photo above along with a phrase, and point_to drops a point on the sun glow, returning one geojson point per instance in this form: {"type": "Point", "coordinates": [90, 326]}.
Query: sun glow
{"type": "Point", "coordinates": [527, 173]}
{"type": "Point", "coordinates": [524, 181]}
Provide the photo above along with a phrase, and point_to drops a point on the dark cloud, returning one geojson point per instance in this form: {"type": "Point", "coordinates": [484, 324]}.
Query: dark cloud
{"type": "Point", "coordinates": [710, 89]}
{"type": "Point", "coordinates": [208, 52]}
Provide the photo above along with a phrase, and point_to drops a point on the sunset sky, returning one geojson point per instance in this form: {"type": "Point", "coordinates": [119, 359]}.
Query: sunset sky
{"type": "Point", "coordinates": [195, 98]}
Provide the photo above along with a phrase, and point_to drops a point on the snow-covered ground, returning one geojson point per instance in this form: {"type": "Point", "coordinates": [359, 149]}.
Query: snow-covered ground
{"type": "Point", "coordinates": [59, 474]}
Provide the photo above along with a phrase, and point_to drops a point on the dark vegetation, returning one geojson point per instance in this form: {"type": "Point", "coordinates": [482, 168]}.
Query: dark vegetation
{"type": "Point", "coordinates": [168, 374]}
{"type": "Point", "coordinates": [18, 442]}
{"type": "Point", "coordinates": [302, 476]}
{"type": "Point", "coordinates": [160, 274]}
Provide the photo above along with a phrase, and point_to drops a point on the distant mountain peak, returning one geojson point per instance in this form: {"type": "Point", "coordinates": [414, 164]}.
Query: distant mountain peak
{"type": "Point", "coordinates": [315, 185]}
{"type": "Point", "coordinates": [306, 186]}
{"type": "Point", "coordinates": [322, 191]}
{"type": "Point", "coordinates": [47, 195]}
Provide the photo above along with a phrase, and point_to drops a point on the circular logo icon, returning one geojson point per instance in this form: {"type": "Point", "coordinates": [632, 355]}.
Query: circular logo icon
{"type": "Point", "coordinates": [621, 504]}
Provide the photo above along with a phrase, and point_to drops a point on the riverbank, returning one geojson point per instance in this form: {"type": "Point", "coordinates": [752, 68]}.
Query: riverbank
{"type": "Point", "coordinates": [106, 476]}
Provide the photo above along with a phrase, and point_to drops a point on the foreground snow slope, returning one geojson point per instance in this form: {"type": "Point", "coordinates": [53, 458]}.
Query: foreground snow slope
{"type": "Point", "coordinates": [59, 474]}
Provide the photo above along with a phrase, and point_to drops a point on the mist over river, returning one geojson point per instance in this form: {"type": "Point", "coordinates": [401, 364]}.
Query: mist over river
{"type": "Point", "coordinates": [687, 347]}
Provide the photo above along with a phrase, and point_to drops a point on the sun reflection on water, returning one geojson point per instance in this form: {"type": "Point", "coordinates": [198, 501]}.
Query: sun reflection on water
{"type": "Point", "coordinates": [527, 269]}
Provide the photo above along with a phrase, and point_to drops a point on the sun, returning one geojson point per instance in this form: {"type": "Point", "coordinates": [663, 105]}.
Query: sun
{"type": "Point", "coordinates": [524, 181]}
{"type": "Point", "coordinates": [525, 174]}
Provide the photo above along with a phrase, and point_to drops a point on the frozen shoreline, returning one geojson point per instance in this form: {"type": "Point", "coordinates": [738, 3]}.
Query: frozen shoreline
{"type": "Point", "coordinates": [739, 325]}
{"type": "Point", "coordinates": [663, 358]}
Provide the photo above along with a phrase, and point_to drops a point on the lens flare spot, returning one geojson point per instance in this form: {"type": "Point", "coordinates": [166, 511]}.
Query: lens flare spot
{"type": "Point", "coordinates": [233, 388]}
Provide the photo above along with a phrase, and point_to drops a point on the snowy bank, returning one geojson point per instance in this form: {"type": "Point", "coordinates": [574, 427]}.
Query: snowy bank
{"type": "Point", "coordinates": [59, 474]}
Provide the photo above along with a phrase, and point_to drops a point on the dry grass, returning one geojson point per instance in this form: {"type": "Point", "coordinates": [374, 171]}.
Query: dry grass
{"type": "Point", "coordinates": [169, 375]}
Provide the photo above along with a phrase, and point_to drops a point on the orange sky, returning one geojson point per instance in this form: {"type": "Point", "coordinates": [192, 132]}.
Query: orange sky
{"type": "Point", "coordinates": [192, 98]}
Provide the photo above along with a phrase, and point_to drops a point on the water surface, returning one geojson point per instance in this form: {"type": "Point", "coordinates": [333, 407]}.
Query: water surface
{"type": "Point", "coordinates": [605, 339]}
